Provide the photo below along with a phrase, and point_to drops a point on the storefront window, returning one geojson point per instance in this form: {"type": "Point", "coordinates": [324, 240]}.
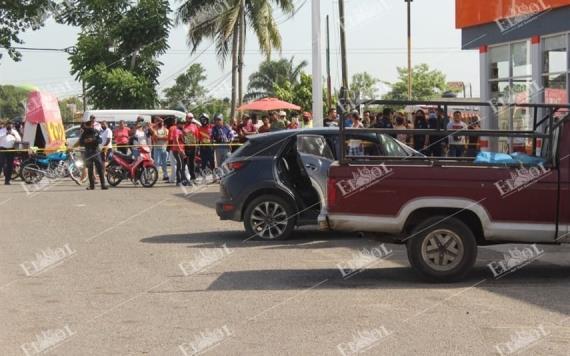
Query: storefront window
{"type": "Point", "coordinates": [554, 54]}
{"type": "Point", "coordinates": [499, 56]}
{"type": "Point", "coordinates": [520, 59]}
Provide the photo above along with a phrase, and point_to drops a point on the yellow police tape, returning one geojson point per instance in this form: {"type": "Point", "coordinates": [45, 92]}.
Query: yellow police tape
{"type": "Point", "coordinates": [122, 146]}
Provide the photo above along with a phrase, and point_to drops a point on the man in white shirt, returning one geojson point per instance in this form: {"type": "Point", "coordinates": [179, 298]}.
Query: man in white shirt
{"type": "Point", "coordinates": [456, 143]}
{"type": "Point", "coordinates": [8, 140]}
{"type": "Point", "coordinates": [106, 135]}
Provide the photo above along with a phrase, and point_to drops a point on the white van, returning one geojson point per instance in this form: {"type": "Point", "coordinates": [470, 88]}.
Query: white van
{"type": "Point", "coordinates": [130, 116]}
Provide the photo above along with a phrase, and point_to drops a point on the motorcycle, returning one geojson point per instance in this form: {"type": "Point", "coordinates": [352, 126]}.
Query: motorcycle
{"type": "Point", "coordinates": [140, 169]}
{"type": "Point", "coordinates": [52, 166]}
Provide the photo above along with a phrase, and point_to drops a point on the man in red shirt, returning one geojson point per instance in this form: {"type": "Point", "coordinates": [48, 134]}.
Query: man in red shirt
{"type": "Point", "coordinates": [206, 152]}
{"type": "Point", "coordinates": [191, 138]}
{"type": "Point", "coordinates": [176, 145]}
{"type": "Point", "coordinates": [121, 136]}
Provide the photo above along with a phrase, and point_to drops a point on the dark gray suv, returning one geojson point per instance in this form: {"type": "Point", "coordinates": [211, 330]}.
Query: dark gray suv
{"type": "Point", "coordinates": [277, 181]}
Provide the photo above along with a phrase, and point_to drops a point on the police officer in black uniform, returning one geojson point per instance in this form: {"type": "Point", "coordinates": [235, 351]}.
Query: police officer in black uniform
{"type": "Point", "coordinates": [90, 140]}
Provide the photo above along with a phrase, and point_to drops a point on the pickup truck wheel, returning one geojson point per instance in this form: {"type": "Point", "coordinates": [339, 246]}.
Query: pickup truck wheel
{"type": "Point", "coordinates": [269, 218]}
{"type": "Point", "coordinates": [442, 249]}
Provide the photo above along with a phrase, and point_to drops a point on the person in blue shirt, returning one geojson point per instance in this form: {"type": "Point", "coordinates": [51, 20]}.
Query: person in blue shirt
{"type": "Point", "coordinates": [221, 134]}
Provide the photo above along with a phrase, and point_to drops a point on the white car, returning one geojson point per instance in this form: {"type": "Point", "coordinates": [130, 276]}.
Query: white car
{"type": "Point", "coordinates": [72, 135]}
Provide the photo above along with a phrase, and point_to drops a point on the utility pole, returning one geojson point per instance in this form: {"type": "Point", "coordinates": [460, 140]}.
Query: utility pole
{"type": "Point", "coordinates": [410, 79]}
{"type": "Point", "coordinates": [343, 45]}
{"type": "Point", "coordinates": [329, 82]}
{"type": "Point", "coordinates": [241, 54]}
{"type": "Point", "coordinates": [84, 95]}
{"type": "Point", "coordinates": [317, 65]}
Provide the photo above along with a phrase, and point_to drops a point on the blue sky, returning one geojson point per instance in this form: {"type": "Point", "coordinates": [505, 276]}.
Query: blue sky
{"type": "Point", "coordinates": [376, 41]}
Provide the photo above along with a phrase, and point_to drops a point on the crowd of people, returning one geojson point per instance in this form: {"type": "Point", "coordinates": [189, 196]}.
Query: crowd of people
{"type": "Point", "coordinates": [188, 144]}
{"type": "Point", "coordinates": [198, 144]}
{"type": "Point", "coordinates": [436, 145]}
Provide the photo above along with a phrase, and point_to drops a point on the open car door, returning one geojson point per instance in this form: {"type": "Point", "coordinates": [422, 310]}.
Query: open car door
{"type": "Point", "coordinates": [315, 156]}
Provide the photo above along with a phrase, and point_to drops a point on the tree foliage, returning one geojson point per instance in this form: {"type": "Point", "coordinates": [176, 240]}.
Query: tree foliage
{"type": "Point", "coordinates": [18, 16]}
{"type": "Point", "coordinates": [188, 89]}
{"type": "Point", "coordinates": [427, 84]}
{"type": "Point", "coordinates": [364, 84]}
{"type": "Point", "coordinates": [68, 107]}
{"type": "Point", "coordinates": [300, 93]}
{"type": "Point", "coordinates": [117, 49]}
{"type": "Point", "coordinates": [271, 74]}
{"type": "Point", "coordinates": [12, 101]}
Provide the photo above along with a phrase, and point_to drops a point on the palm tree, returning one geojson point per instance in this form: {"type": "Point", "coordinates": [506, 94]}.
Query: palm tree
{"type": "Point", "coordinates": [225, 22]}
{"type": "Point", "coordinates": [262, 83]}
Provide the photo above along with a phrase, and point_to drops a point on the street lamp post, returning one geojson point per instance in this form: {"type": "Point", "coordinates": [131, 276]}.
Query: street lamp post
{"type": "Point", "coordinates": [317, 65]}
{"type": "Point", "coordinates": [410, 79]}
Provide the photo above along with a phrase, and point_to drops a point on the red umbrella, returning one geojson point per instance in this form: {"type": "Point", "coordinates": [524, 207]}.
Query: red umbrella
{"type": "Point", "coordinates": [268, 104]}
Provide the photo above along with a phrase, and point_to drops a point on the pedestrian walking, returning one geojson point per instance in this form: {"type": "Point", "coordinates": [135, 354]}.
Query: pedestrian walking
{"type": "Point", "coordinates": [90, 141]}
{"type": "Point", "coordinates": [9, 137]}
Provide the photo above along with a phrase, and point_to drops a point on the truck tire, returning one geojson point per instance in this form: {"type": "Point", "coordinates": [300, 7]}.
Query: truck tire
{"type": "Point", "coordinates": [442, 249]}
{"type": "Point", "coordinates": [270, 218]}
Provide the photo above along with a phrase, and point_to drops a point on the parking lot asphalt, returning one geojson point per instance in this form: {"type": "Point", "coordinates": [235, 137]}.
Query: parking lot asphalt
{"type": "Point", "coordinates": [133, 271]}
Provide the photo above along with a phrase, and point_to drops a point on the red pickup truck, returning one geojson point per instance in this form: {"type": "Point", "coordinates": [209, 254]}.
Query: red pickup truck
{"type": "Point", "coordinates": [443, 208]}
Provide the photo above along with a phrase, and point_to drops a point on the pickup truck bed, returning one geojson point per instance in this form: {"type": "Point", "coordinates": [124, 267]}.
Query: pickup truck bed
{"type": "Point", "coordinates": [443, 209]}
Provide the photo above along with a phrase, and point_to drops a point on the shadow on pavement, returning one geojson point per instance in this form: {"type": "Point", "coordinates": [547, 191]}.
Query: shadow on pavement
{"type": "Point", "coordinates": [239, 239]}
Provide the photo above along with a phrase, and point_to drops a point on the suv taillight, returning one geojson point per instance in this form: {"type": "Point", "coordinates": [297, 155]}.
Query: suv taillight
{"type": "Point", "coordinates": [331, 193]}
{"type": "Point", "coordinates": [236, 165]}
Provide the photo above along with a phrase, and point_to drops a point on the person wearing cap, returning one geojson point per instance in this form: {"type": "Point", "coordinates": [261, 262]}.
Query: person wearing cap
{"type": "Point", "coordinates": [191, 139]}
{"type": "Point", "coordinates": [221, 135]}
{"type": "Point", "coordinates": [206, 151]}
{"type": "Point", "coordinates": [278, 121]}
{"type": "Point", "coordinates": [9, 137]}
{"type": "Point", "coordinates": [176, 145]}
{"type": "Point", "coordinates": [91, 140]}
{"type": "Point", "coordinates": [307, 120]}
{"type": "Point", "coordinates": [94, 123]}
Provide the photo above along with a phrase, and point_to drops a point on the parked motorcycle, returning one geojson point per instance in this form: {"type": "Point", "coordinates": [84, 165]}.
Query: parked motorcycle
{"type": "Point", "coordinates": [52, 166]}
{"type": "Point", "coordinates": [140, 169]}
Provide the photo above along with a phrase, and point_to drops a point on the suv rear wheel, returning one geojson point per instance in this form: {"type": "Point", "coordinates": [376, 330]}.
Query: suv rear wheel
{"type": "Point", "coordinates": [269, 217]}
{"type": "Point", "coordinates": [442, 249]}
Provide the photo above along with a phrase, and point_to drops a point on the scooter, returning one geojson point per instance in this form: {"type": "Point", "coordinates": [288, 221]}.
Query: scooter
{"type": "Point", "coordinates": [140, 169]}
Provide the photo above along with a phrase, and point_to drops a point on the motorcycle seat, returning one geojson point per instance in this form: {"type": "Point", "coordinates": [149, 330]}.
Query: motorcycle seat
{"type": "Point", "coordinates": [127, 158]}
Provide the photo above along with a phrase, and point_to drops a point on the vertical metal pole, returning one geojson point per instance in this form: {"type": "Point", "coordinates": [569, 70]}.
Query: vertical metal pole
{"type": "Point", "coordinates": [84, 96]}
{"type": "Point", "coordinates": [329, 82]}
{"type": "Point", "coordinates": [410, 79]}
{"type": "Point", "coordinates": [343, 45]}
{"type": "Point", "coordinates": [317, 65]}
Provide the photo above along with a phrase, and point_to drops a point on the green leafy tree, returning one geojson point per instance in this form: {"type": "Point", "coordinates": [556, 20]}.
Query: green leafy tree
{"type": "Point", "coordinates": [69, 107]}
{"type": "Point", "coordinates": [427, 84]}
{"type": "Point", "coordinates": [117, 49]}
{"type": "Point", "coordinates": [188, 89]}
{"type": "Point", "coordinates": [262, 83]}
{"type": "Point", "coordinates": [212, 107]}
{"type": "Point", "coordinates": [364, 84]}
{"type": "Point", "coordinates": [225, 22]}
{"type": "Point", "coordinates": [300, 93]}
{"type": "Point", "coordinates": [18, 16]}
{"type": "Point", "coordinates": [12, 101]}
